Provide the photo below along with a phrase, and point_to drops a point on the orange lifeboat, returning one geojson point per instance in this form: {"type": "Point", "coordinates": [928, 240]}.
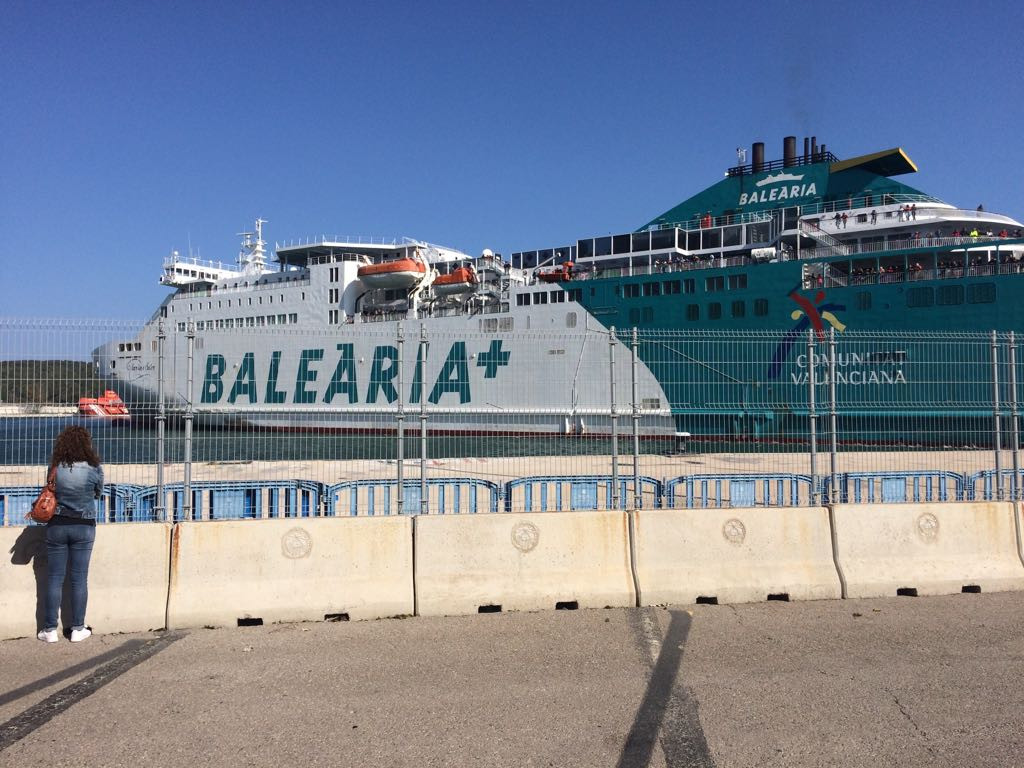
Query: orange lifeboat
{"type": "Point", "coordinates": [109, 406]}
{"type": "Point", "coordinates": [400, 273]}
{"type": "Point", "coordinates": [558, 273]}
{"type": "Point", "coordinates": [461, 280]}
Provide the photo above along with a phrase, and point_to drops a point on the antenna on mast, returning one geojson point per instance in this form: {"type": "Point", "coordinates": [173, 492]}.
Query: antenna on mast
{"type": "Point", "coordinates": [251, 256]}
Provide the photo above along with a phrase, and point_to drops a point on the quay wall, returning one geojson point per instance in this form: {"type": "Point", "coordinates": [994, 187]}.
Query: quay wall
{"type": "Point", "coordinates": [147, 576]}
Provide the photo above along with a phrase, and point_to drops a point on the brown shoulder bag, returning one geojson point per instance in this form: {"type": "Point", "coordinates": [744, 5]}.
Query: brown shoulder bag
{"type": "Point", "coordinates": [46, 502]}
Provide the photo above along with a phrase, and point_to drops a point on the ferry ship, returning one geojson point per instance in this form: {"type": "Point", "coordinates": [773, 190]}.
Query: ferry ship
{"type": "Point", "coordinates": [339, 333]}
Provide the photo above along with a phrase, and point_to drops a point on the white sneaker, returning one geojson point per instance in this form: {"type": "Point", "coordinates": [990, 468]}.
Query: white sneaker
{"type": "Point", "coordinates": [47, 635]}
{"type": "Point", "coordinates": [78, 635]}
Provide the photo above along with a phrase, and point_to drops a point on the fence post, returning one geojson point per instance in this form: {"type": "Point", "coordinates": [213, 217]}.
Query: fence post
{"type": "Point", "coordinates": [997, 437]}
{"type": "Point", "coordinates": [614, 418]}
{"type": "Point", "coordinates": [638, 499]}
{"type": "Point", "coordinates": [400, 426]}
{"type": "Point", "coordinates": [836, 496]}
{"type": "Point", "coordinates": [186, 502]}
{"type": "Point", "coordinates": [160, 510]}
{"type": "Point", "coordinates": [812, 418]}
{"type": "Point", "coordinates": [1014, 426]}
{"type": "Point", "coordinates": [423, 420]}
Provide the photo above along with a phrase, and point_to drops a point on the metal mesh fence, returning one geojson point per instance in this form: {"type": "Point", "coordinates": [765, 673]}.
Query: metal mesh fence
{"type": "Point", "coordinates": [404, 418]}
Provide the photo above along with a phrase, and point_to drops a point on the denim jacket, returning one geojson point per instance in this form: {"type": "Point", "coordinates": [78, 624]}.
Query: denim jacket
{"type": "Point", "coordinates": [78, 487]}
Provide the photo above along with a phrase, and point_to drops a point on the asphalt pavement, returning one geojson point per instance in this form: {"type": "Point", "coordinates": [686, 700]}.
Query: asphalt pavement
{"type": "Point", "coordinates": [935, 681]}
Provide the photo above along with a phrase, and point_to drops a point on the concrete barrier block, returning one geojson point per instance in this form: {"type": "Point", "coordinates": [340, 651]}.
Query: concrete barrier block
{"type": "Point", "coordinates": [521, 562]}
{"type": "Point", "coordinates": [228, 572]}
{"type": "Point", "coordinates": [734, 555]}
{"type": "Point", "coordinates": [927, 549]}
{"type": "Point", "coordinates": [128, 577]}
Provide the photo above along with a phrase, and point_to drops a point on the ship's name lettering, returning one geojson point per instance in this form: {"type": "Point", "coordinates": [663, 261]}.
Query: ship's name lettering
{"type": "Point", "coordinates": [319, 380]}
{"type": "Point", "coordinates": [856, 358]}
{"type": "Point", "coordinates": [134, 366]}
{"type": "Point", "coordinates": [854, 377]}
{"type": "Point", "coordinates": [778, 193]}
{"type": "Point", "coordinates": [854, 368]}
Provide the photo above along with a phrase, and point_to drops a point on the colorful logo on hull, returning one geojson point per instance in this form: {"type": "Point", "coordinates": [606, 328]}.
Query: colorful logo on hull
{"type": "Point", "coordinates": [809, 315]}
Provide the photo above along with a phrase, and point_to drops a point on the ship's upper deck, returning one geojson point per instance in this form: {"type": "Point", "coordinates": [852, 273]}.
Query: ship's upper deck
{"type": "Point", "coordinates": [323, 249]}
{"type": "Point", "coordinates": [815, 181]}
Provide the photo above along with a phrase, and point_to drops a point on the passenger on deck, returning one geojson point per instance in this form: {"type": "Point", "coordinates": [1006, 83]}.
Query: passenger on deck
{"type": "Point", "coordinates": [844, 220]}
{"type": "Point", "coordinates": [874, 215]}
{"type": "Point", "coordinates": [913, 211]}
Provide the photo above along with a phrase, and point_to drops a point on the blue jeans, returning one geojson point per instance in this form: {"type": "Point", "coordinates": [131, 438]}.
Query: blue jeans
{"type": "Point", "coordinates": [64, 543]}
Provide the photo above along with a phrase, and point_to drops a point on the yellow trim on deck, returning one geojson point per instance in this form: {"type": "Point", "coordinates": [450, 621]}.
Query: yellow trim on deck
{"type": "Point", "coordinates": [888, 162]}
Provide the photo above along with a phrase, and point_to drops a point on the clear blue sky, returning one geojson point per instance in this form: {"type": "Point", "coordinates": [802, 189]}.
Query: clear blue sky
{"type": "Point", "coordinates": [130, 129]}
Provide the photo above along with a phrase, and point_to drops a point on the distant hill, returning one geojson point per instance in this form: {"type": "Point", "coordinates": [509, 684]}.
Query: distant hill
{"type": "Point", "coordinates": [47, 382]}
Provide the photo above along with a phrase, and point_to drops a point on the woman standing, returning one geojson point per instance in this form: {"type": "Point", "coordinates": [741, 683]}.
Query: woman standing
{"type": "Point", "coordinates": [72, 529]}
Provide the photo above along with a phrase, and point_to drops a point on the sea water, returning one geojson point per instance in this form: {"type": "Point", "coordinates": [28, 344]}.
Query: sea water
{"type": "Point", "coordinates": [29, 441]}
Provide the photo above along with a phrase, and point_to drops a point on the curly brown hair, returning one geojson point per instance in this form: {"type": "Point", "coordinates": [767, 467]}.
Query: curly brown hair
{"type": "Point", "coordinates": [74, 444]}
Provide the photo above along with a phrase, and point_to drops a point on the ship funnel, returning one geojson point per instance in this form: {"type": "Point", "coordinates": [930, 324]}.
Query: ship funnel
{"type": "Point", "coordinates": [807, 150]}
{"type": "Point", "coordinates": [822, 152]}
{"type": "Point", "coordinates": [814, 149]}
{"type": "Point", "coordinates": [789, 151]}
{"type": "Point", "coordinates": [758, 157]}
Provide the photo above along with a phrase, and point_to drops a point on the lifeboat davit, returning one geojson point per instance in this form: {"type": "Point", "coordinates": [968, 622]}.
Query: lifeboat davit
{"type": "Point", "coordinates": [400, 273]}
{"type": "Point", "coordinates": [461, 280]}
{"type": "Point", "coordinates": [555, 274]}
{"type": "Point", "coordinates": [109, 406]}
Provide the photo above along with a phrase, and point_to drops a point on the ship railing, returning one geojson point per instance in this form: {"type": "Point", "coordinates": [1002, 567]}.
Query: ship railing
{"type": "Point", "coordinates": [695, 222]}
{"type": "Point", "coordinates": [245, 286]}
{"type": "Point", "coordinates": [171, 261]}
{"type": "Point", "coordinates": [382, 317]}
{"type": "Point", "coordinates": [873, 200]}
{"type": "Point", "coordinates": [909, 243]}
{"type": "Point", "coordinates": [776, 165]}
{"type": "Point", "coordinates": [817, 233]}
{"type": "Point", "coordinates": [336, 258]}
{"type": "Point", "coordinates": [316, 240]}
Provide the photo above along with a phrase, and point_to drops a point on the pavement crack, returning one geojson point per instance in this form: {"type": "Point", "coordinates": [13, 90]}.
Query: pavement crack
{"type": "Point", "coordinates": [920, 731]}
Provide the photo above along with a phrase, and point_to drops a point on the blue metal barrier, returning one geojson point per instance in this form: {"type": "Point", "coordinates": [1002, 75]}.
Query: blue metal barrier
{"type": "Point", "coordinates": [239, 500]}
{"type": "Point", "coordinates": [711, 491]}
{"type": "Point", "coordinates": [446, 496]}
{"type": "Point", "coordinates": [896, 487]}
{"type": "Point", "coordinates": [15, 502]}
{"type": "Point", "coordinates": [115, 504]}
{"type": "Point", "coordinates": [981, 486]}
{"type": "Point", "coordinates": [549, 493]}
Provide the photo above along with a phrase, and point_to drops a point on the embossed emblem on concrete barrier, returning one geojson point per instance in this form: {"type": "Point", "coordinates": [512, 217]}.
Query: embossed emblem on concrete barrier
{"type": "Point", "coordinates": [525, 536]}
{"type": "Point", "coordinates": [928, 527]}
{"type": "Point", "coordinates": [296, 543]}
{"type": "Point", "coordinates": [734, 531]}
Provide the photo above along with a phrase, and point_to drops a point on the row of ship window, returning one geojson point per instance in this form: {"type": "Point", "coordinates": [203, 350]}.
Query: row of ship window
{"type": "Point", "coordinates": [228, 323]}
{"type": "Point", "coordinates": [548, 297]}
{"type": "Point", "coordinates": [715, 311]}
{"type": "Point", "coordinates": [193, 306]}
{"type": "Point", "coordinates": [951, 295]}
{"type": "Point", "coordinates": [713, 284]}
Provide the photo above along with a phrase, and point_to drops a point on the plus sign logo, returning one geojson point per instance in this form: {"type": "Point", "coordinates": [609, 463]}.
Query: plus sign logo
{"type": "Point", "coordinates": [493, 359]}
{"type": "Point", "coordinates": [809, 315]}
